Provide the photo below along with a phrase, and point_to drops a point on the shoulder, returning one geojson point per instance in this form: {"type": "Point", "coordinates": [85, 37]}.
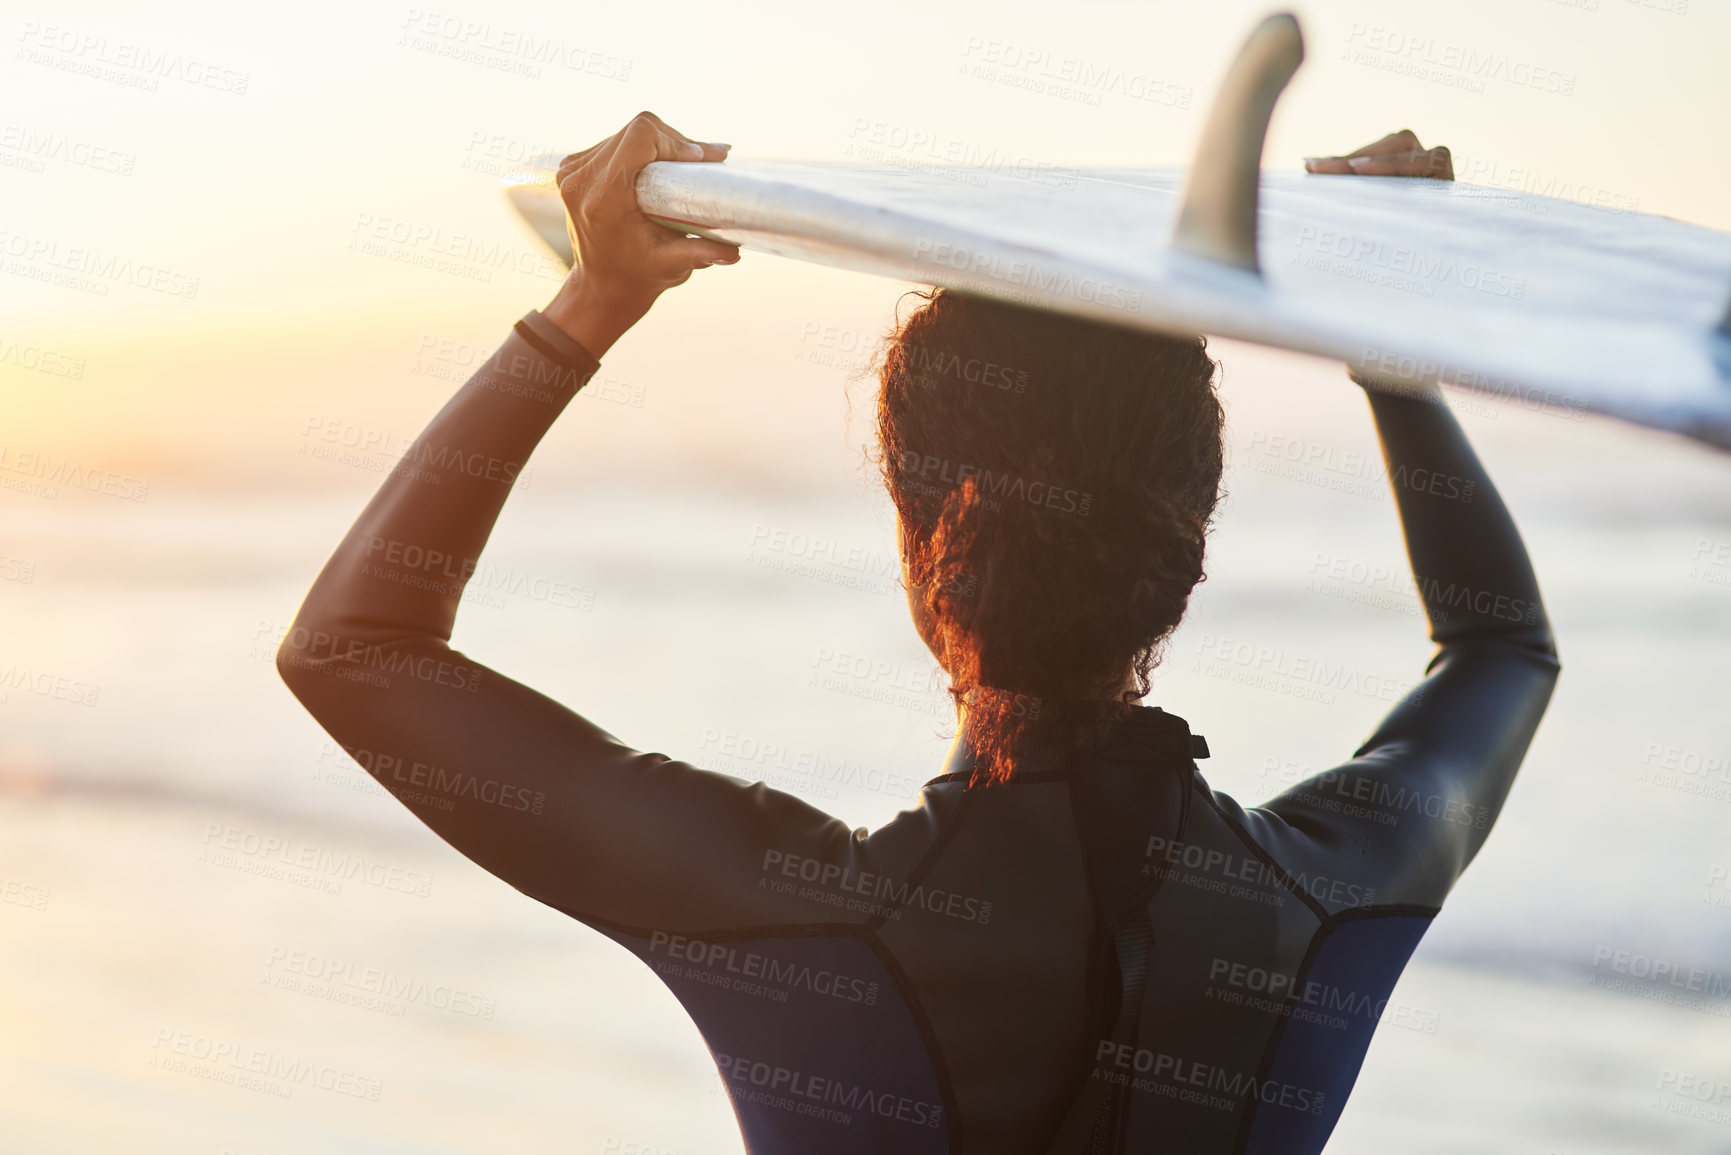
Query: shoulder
{"type": "Point", "coordinates": [1339, 855]}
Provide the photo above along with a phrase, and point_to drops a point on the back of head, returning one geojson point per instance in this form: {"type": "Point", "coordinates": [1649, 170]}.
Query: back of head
{"type": "Point", "coordinates": [1055, 479]}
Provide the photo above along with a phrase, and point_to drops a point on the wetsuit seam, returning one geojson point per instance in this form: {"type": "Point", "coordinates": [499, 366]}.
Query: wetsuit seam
{"type": "Point", "coordinates": [1146, 894]}
{"type": "Point", "coordinates": [927, 861]}
{"type": "Point", "coordinates": [1096, 1015]}
{"type": "Point", "coordinates": [1099, 1009]}
{"type": "Point", "coordinates": [1262, 853]}
{"type": "Point", "coordinates": [928, 1035]}
{"type": "Point", "coordinates": [1271, 1049]}
{"type": "Point", "coordinates": [1383, 910]}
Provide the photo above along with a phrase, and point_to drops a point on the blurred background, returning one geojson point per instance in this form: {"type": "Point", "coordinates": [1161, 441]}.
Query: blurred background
{"type": "Point", "coordinates": [247, 254]}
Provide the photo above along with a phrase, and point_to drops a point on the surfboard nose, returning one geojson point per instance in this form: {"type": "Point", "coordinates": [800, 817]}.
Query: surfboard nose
{"type": "Point", "coordinates": [1218, 218]}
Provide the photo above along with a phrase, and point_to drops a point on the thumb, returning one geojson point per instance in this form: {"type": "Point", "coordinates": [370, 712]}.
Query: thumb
{"type": "Point", "coordinates": [701, 252]}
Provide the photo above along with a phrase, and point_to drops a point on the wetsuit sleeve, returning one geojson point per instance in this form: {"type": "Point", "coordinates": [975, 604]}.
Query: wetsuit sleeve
{"type": "Point", "coordinates": [1410, 810]}
{"type": "Point", "coordinates": [524, 787]}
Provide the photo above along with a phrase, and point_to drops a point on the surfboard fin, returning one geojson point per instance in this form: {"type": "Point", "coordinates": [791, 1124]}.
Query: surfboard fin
{"type": "Point", "coordinates": [1218, 218]}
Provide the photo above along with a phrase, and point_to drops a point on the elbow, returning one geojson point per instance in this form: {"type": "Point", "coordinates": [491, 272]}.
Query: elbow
{"type": "Point", "coordinates": [293, 662]}
{"type": "Point", "coordinates": [1531, 634]}
{"type": "Point", "coordinates": [1537, 641]}
{"type": "Point", "coordinates": [303, 657]}
{"type": "Point", "coordinates": [1540, 645]}
{"type": "Point", "coordinates": [1541, 641]}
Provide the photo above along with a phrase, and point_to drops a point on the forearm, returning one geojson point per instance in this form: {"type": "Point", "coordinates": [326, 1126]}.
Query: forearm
{"type": "Point", "coordinates": [1471, 568]}
{"type": "Point", "coordinates": [400, 571]}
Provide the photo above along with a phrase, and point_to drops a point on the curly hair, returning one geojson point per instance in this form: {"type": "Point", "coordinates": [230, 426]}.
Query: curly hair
{"type": "Point", "coordinates": [1055, 480]}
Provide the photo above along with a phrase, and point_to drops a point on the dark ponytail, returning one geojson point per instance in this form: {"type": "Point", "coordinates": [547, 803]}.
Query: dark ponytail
{"type": "Point", "coordinates": [1055, 479]}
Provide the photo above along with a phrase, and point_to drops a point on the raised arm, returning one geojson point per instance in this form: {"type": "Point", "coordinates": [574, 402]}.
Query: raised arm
{"type": "Point", "coordinates": [529, 790]}
{"type": "Point", "coordinates": [1410, 810]}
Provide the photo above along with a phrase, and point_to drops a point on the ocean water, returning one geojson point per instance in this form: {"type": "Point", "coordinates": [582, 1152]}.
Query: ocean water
{"type": "Point", "coordinates": [1574, 997]}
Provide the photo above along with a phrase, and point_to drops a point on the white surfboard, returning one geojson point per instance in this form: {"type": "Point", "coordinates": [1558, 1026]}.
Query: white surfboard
{"type": "Point", "coordinates": [1406, 280]}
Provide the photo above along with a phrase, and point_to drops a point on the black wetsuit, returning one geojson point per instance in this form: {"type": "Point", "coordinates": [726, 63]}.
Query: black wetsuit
{"type": "Point", "coordinates": [1103, 954]}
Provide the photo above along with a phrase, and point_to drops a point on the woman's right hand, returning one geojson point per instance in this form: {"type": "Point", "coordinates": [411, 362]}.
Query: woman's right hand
{"type": "Point", "coordinates": [1397, 154]}
{"type": "Point", "coordinates": [624, 260]}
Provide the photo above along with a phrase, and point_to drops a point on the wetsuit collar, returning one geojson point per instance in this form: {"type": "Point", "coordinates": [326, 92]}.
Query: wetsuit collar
{"type": "Point", "coordinates": [1148, 734]}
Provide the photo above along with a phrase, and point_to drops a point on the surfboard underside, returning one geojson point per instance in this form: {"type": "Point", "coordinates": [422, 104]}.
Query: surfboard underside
{"type": "Point", "coordinates": [1559, 304]}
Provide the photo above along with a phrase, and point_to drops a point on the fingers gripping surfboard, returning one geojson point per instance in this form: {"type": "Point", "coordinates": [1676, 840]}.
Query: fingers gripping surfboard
{"type": "Point", "coordinates": [1409, 281]}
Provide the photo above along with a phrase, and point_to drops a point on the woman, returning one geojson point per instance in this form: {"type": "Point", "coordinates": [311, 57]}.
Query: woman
{"type": "Point", "coordinates": [1071, 943]}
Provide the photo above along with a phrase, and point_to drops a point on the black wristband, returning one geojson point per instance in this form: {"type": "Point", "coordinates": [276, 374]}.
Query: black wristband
{"type": "Point", "coordinates": [555, 344]}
